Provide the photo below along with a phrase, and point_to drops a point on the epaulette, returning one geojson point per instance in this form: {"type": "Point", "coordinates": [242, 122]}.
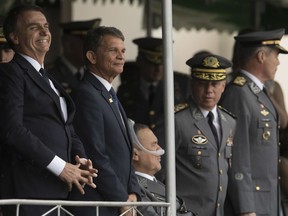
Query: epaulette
{"type": "Point", "coordinates": [180, 107]}
{"type": "Point", "coordinates": [228, 112]}
{"type": "Point", "coordinates": [240, 81]}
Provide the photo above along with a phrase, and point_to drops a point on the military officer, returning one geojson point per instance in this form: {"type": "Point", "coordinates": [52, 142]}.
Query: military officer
{"type": "Point", "coordinates": [141, 89]}
{"type": "Point", "coordinates": [68, 68]}
{"type": "Point", "coordinates": [253, 189]}
{"type": "Point", "coordinates": [204, 138]}
{"type": "Point", "coordinates": [6, 53]}
{"type": "Point", "coordinates": [146, 162]}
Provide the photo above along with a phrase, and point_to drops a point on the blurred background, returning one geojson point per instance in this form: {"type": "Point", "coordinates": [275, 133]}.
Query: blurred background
{"type": "Point", "coordinates": [197, 24]}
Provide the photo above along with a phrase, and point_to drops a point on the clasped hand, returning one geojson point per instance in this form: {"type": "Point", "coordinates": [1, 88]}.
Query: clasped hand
{"type": "Point", "coordinates": [80, 174]}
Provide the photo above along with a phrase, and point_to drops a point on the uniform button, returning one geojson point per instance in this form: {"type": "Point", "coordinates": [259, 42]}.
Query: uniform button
{"type": "Point", "coordinates": [279, 177]}
{"type": "Point", "coordinates": [218, 205]}
{"type": "Point", "coordinates": [279, 160]}
{"type": "Point", "coordinates": [199, 152]}
{"type": "Point", "coordinates": [258, 188]}
{"type": "Point", "coordinates": [151, 112]}
{"type": "Point", "coordinates": [219, 154]}
{"type": "Point", "coordinates": [279, 144]}
{"type": "Point", "coordinates": [220, 188]}
{"type": "Point", "coordinates": [220, 171]}
{"type": "Point", "coordinates": [267, 125]}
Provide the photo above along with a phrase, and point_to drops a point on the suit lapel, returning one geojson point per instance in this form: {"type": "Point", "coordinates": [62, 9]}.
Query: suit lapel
{"type": "Point", "coordinates": [202, 124]}
{"type": "Point", "coordinates": [226, 130]}
{"type": "Point", "coordinates": [263, 99]}
{"type": "Point", "coordinates": [39, 81]}
{"type": "Point", "coordinates": [107, 97]}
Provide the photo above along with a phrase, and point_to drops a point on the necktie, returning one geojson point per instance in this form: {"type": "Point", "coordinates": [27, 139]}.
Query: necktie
{"type": "Point", "coordinates": [44, 75]}
{"type": "Point", "coordinates": [210, 117]}
{"type": "Point", "coordinates": [115, 99]}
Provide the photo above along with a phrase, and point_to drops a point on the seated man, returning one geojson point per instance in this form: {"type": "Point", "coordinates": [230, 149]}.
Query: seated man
{"type": "Point", "coordinates": [146, 162]}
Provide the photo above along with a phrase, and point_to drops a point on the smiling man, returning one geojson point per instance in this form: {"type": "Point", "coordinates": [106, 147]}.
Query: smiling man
{"type": "Point", "coordinates": [38, 141]}
{"type": "Point", "coordinates": [203, 138]}
{"type": "Point", "coordinates": [102, 124]}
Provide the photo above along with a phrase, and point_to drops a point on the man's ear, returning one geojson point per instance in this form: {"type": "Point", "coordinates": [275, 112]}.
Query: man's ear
{"type": "Point", "coordinates": [14, 38]}
{"type": "Point", "coordinates": [135, 154]}
{"type": "Point", "coordinates": [261, 56]}
{"type": "Point", "coordinates": [90, 55]}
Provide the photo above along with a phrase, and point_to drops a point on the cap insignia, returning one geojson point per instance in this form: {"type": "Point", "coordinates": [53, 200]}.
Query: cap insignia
{"type": "Point", "coordinates": [211, 62]}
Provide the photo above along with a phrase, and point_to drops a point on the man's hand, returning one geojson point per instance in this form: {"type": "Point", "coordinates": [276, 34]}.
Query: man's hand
{"type": "Point", "coordinates": [131, 198]}
{"type": "Point", "coordinates": [86, 164]}
{"type": "Point", "coordinates": [248, 214]}
{"type": "Point", "coordinates": [73, 174]}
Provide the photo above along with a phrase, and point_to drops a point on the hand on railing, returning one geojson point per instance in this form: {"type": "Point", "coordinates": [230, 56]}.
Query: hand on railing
{"type": "Point", "coordinates": [80, 174]}
{"type": "Point", "coordinates": [128, 210]}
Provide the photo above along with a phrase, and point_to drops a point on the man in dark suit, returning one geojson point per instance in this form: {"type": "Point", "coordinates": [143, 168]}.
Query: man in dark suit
{"type": "Point", "coordinates": [68, 68]}
{"type": "Point", "coordinates": [101, 122]}
{"type": "Point", "coordinates": [204, 138]}
{"type": "Point", "coordinates": [146, 162]}
{"type": "Point", "coordinates": [37, 137]}
{"type": "Point", "coordinates": [254, 186]}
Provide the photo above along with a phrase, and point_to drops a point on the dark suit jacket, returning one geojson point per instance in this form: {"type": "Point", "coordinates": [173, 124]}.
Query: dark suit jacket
{"type": "Point", "coordinates": [32, 132]}
{"type": "Point", "coordinates": [106, 141]}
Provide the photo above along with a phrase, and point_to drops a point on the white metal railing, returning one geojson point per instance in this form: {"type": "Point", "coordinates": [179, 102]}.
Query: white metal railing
{"type": "Point", "coordinates": [59, 205]}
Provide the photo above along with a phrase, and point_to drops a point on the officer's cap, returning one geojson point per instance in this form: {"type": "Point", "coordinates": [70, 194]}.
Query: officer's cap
{"type": "Point", "coordinates": [80, 28]}
{"type": "Point", "coordinates": [3, 42]}
{"type": "Point", "coordinates": [208, 67]}
{"type": "Point", "coordinates": [263, 38]}
{"type": "Point", "coordinates": [150, 48]}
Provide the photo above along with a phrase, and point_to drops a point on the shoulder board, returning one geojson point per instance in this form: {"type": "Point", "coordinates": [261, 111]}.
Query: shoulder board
{"type": "Point", "coordinates": [240, 81]}
{"type": "Point", "coordinates": [226, 111]}
{"type": "Point", "coordinates": [180, 107]}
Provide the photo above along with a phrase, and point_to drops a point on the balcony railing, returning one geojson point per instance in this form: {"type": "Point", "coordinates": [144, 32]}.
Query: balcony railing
{"type": "Point", "coordinates": [60, 205]}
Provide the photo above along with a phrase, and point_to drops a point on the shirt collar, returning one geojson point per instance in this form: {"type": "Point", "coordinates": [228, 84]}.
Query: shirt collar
{"type": "Point", "coordinates": [106, 84]}
{"type": "Point", "coordinates": [145, 175]}
{"type": "Point", "coordinates": [254, 79]}
{"type": "Point", "coordinates": [32, 61]}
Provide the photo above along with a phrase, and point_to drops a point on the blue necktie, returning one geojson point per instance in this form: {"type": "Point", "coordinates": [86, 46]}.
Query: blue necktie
{"type": "Point", "coordinates": [115, 99]}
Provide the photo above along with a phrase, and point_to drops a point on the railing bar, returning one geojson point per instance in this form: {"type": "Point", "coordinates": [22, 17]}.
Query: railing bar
{"type": "Point", "coordinates": [66, 211]}
{"type": "Point", "coordinates": [18, 209]}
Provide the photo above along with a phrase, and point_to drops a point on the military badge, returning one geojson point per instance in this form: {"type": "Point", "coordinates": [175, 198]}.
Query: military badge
{"type": "Point", "coordinates": [239, 80]}
{"type": "Point", "coordinates": [264, 112]}
{"type": "Point", "coordinates": [266, 135]}
{"type": "Point", "coordinates": [239, 176]}
{"type": "Point", "coordinates": [199, 139]}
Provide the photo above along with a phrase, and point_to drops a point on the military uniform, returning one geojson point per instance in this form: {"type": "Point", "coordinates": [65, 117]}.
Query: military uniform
{"type": "Point", "coordinates": [66, 74]}
{"type": "Point", "coordinates": [154, 191]}
{"type": "Point", "coordinates": [66, 70]}
{"type": "Point", "coordinates": [202, 166]}
{"type": "Point", "coordinates": [254, 182]}
{"type": "Point", "coordinates": [136, 82]}
{"type": "Point", "coordinates": [254, 174]}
